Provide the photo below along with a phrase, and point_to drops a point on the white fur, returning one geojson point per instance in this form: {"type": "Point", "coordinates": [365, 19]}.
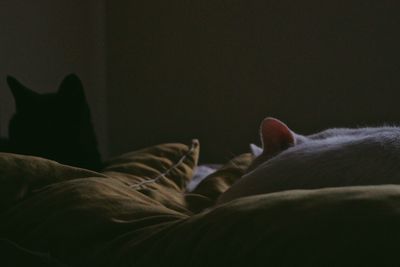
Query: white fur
{"type": "Point", "coordinates": [332, 158]}
{"type": "Point", "coordinates": [255, 150]}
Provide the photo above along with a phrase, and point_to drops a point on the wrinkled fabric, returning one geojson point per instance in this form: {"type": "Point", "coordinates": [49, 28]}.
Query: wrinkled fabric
{"type": "Point", "coordinates": [135, 213]}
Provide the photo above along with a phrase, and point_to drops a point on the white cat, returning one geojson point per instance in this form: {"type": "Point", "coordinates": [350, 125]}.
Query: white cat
{"type": "Point", "coordinates": [333, 158]}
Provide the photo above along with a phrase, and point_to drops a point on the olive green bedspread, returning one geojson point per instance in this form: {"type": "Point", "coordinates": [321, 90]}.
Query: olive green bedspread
{"type": "Point", "coordinates": [137, 213]}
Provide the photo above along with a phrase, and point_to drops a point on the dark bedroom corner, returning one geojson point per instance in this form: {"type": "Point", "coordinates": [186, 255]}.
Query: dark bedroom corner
{"type": "Point", "coordinates": [199, 133]}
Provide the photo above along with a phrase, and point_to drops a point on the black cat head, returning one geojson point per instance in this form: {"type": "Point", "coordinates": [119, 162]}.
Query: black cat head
{"type": "Point", "coordinates": [70, 92]}
{"type": "Point", "coordinates": [54, 125]}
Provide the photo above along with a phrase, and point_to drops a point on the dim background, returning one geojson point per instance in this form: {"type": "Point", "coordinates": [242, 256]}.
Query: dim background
{"type": "Point", "coordinates": [167, 71]}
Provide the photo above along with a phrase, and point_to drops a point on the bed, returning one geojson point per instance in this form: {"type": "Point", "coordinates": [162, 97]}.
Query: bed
{"type": "Point", "coordinates": [138, 211]}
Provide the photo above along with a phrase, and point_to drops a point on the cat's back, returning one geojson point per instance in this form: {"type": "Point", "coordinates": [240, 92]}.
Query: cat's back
{"type": "Point", "coordinates": [333, 158]}
{"type": "Point", "coordinates": [345, 144]}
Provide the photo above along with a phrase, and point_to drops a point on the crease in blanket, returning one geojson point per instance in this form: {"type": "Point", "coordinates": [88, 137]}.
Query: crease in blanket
{"type": "Point", "coordinates": [15, 255]}
{"type": "Point", "coordinates": [194, 145]}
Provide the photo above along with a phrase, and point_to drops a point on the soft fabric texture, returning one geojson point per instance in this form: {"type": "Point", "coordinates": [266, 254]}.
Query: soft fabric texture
{"type": "Point", "coordinates": [200, 173]}
{"type": "Point", "coordinates": [67, 212]}
{"type": "Point", "coordinates": [134, 214]}
{"type": "Point", "coordinates": [21, 176]}
{"type": "Point", "coordinates": [207, 192]}
{"type": "Point", "coordinates": [353, 226]}
{"type": "Point", "coordinates": [16, 256]}
{"type": "Point", "coordinates": [159, 172]}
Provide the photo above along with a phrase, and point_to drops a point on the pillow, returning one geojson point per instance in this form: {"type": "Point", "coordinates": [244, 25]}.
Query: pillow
{"type": "Point", "coordinates": [70, 219]}
{"type": "Point", "coordinates": [21, 176]}
{"type": "Point", "coordinates": [72, 212]}
{"type": "Point", "coordinates": [352, 226]}
{"type": "Point", "coordinates": [160, 172]}
{"type": "Point", "coordinates": [207, 192]}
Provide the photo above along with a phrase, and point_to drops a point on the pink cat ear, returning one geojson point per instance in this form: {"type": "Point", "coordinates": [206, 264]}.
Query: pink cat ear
{"type": "Point", "coordinates": [275, 136]}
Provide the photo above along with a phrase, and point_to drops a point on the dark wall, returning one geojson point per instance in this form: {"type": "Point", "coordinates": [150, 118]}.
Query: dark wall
{"type": "Point", "coordinates": [214, 69]}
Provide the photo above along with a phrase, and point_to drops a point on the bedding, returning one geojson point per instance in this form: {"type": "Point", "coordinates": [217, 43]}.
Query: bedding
{"type": "Point", "coordinates": [137, 212]}
{"type": "Point", "coordinates": [200, 173]}
{"type": "Point", "coordinates": [67, 212]}
{"type": "Point", "coordinates": [17, 256]}
{"type": "Point", "coordinates": [211, 187]}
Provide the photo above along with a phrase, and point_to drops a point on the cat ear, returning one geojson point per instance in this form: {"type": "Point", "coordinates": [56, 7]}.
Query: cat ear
{"type": "Point", "coordinates": [255, 150]}
{"type": "Point", "coordinates": [275, 136]}
{"type": "Point", "coordinates": [71, 88]}
{"type": "Point", "coordinates": [22, 95]}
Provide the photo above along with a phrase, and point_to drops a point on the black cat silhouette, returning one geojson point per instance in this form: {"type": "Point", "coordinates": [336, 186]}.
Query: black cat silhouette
{"type": "Point", "coordinates": [56, 126]}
